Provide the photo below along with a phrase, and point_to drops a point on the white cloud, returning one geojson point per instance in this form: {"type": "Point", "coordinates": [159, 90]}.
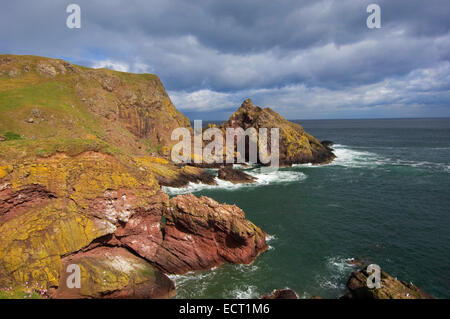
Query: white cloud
{"type": "Point", "coordinates": [135, 67]}
{"type": "Point", "coordinates": [419, 91]}
{"type": "Point", "coordinates": [113, 65]}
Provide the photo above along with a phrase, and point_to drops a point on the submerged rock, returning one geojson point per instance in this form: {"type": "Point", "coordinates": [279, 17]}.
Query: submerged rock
{"type": "Point", "coordinates": [235, 176]}
{"type": "Point", "coordinates": [281, 294]}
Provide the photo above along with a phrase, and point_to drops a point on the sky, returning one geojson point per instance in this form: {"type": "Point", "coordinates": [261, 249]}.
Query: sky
{"type": "Point", "coordinates": [305, 59]}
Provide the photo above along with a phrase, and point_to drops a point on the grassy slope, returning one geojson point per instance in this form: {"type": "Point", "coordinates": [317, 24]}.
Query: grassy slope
{"type": "Point", "coordinates": [70, 112]}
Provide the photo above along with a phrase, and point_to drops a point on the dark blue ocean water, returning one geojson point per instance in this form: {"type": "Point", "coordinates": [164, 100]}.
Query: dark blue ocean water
{"type": "Point", "coordinates": [385, 199]}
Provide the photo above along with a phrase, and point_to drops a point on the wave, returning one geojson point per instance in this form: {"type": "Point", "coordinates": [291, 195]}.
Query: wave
{"type": "Point", "coordinates": [355, 157]}
{"type": "Point", "coordinates": [246, 292]}
{"type": "Point", "coordinates": [193, 284]}
{"type": "Point", "coordinates": [348, 157]}
{"type": "Point", "coordinates": [338, 271]}
{"type": "Point", "coordinates": [263, 177]}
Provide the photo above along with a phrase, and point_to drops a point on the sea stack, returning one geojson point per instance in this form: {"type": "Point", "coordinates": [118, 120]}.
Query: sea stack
{"type": "Point", "coordinates": [296, 145]}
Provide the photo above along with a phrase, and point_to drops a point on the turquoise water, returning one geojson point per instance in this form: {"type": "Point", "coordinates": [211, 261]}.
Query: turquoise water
{"type": "Point", "coordinates": [385, 199]}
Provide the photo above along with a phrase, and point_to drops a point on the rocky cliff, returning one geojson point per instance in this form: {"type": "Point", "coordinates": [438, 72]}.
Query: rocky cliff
{"type": "Point", "coordinates": [81, 168]}
{"type": "Point", "coordinates": [296, 145]}
{"type": "Point", "coordinates": [51, 98]}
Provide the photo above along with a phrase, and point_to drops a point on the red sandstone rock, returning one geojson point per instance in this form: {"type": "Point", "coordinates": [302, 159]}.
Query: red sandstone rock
{"type": "Point", "coordinates": [199, 233]}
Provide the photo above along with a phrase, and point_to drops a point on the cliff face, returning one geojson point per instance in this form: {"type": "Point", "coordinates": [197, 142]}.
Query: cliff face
{"type": "Point", "coordinates": [77, 186]}
{"type": "Point", "coordinates": [50, 98]}
{"type": "Point", "coordinates": [296, 145]}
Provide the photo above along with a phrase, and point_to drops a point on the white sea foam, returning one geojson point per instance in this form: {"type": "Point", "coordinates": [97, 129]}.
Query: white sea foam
{"type": "Point", "coordinates": [338, 269]}
{"type": "Point", "coordinates": [198, 280]}
{"type": "Point", "coordinates": [246, 292]}
{"type": "Point", "coordinates": [263, 176]}
{"type": "Point", "coordinates": [349, 157]}
{"type": "Point", "coordinates": [356, 157]}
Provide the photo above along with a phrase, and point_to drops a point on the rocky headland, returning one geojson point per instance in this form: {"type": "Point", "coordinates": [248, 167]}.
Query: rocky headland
{"type": "Point", "coordinates": [296, 146]}
{"type": "Point", "coordinates": [84, 154]}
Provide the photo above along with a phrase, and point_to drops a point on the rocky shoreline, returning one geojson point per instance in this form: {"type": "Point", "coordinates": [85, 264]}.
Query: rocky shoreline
{"type": "Point", "coordinates": [82, 164]}
{"type": "Point", "coordinates": [358, 289]}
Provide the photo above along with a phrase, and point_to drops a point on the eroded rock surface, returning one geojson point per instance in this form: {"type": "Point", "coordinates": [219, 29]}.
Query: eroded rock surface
{"type": "Point", "coordinates": [198, 233]}
{"type": "Point", "coordinates": [391, 288]}
{"type": "Point", "coordinates": [114, 273]}
{"type": "Point", "coordinates": [296, 145]}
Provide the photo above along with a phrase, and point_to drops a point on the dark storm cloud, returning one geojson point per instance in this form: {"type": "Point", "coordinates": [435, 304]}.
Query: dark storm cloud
{"type": "Point", "coordinates": [290, 54]}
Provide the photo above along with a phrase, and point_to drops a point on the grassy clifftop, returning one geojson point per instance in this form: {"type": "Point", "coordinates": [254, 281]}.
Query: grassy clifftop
{"type": "Point", "coordinates": [50, 105]}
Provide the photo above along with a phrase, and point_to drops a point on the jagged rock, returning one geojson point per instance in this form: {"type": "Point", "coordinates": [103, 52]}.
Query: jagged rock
{"type": "Point", "coordinates": [235, 176]}
{"type": "Point", "coordinates": [197, 234]}
{"type": "Point", "coordinates": [391, 288]}
{"type": "Point", "coordinates": [281, 294]}
{"type": "Point", "coordinates": [80, 187]}
{"type": "Point", "coordinates": [296, 146]}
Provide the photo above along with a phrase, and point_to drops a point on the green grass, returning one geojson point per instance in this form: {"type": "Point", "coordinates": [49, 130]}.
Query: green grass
{"type": "Point", "coordinates": [56, 101]}
{"type": "Point", "coordinates": [10, 136]}
{"type": "Point", "coordinates": [19, 293]}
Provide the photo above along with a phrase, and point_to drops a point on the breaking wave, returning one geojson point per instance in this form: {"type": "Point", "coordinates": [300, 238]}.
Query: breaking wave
{"type": "Point", "coordinates": [337, 272]}
{"type": "Point", "coordinates": [263, 176]}
{"type": "Point", "coordinates": [356, 157]}
{"type": "Point", "coordinates": [246, 292]}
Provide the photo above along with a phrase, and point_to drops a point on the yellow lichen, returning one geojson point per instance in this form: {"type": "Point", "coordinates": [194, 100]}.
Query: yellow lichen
{"type": "Point", "coordinates": [32, 243]}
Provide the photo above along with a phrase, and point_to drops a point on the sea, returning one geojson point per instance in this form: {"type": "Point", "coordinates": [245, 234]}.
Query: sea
{"type": "Point", "coordinates": [384, 200]}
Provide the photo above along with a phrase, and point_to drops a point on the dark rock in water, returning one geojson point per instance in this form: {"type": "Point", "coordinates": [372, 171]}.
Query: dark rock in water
{"type": "Point", "coordinates": [357, 262]}
{"type": "Point", "coordinates": [327, 143]}
{"type": "Point", "coordinates": [391, 288]}
{"type": "Point", "coordinates": [235, 176]}
{"type": "Point", "coordinates": [281, 294]}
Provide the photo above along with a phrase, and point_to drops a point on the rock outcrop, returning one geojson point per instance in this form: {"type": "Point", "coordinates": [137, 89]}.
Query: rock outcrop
{"type": "Point", "coordinates": [235, 176]}
{"type": "Point", "coordinates": [74, 209]}
{"type": "Point", "coordinates": [169, 174]}
{"type": "Point", "coordinates": [130, 111]}
{"type": "Point", "coordinates": [391, 288]}
{"type": "Point", "coordinates": [198, 233]}
{"type": "Point", "coordinates": [296, 145]}
{"type": "Point", "coordinates": [81, 184]}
